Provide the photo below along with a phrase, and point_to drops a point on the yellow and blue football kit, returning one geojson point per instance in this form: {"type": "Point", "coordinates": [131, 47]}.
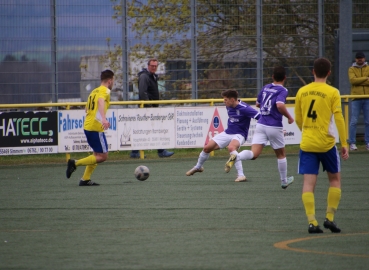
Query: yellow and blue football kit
{"type": "Point", "coordinates": [93, 117]}
{"type": "Point", "coordinates": [94, 130]}
{"type": "Point", "coordinates": [317, 105]}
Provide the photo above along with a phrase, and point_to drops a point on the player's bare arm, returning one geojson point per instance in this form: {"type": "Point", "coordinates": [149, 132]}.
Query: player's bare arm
{"type": "Point", "coordinates": [101, 104]}
{"type": "Point", "coordinates": [344, 153]}
{"type": "Point", "coordinates": [283, 110]}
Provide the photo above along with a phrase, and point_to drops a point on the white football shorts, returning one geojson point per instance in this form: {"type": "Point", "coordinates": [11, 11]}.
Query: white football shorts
{"type": "Point", "coordinates": [223, 139]}
{"type": "Point", "coordinates": [274, 135]}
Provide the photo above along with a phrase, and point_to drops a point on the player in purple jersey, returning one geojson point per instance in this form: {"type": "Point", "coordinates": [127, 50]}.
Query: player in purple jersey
{"type": "Point", "coordinates": [234, 136]}
{"type": "Point", "coordinates": [271, 101]}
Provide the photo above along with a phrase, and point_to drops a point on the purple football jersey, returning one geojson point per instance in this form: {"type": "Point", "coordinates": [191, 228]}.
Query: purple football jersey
{"type": "Point", "coordinates": [239, 118]}
{"type": "Point", "coordinates": [269, 96]}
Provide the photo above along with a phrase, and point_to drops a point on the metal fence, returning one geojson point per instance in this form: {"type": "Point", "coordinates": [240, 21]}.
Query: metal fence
{"type": "Point", "coordinates": [54, 50]}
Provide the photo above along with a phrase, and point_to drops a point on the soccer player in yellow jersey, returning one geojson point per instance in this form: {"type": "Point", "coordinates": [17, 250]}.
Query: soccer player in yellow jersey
{"type": "Point", "coordinates": [95, 123]}
{"type": "Point", "coordinates": [317, 106]}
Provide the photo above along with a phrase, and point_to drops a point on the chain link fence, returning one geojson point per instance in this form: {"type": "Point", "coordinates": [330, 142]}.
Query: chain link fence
{"type": "Point", "coordinates": [54, 50]}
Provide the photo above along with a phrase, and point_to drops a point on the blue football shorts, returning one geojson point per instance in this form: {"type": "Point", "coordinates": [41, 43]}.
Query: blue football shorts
{"type": "Point", "coordinates": [97, 141]}
{"type": "Point", "coordinates": [309, 162]}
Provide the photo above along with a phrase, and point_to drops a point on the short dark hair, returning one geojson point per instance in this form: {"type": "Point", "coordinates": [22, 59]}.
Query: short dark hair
{"type": "Point", "coordinates": [106, 75]}
{"type": "Point", "coordinates": [279, 73]}
{"type": "Point", "coordinates": [322, 66]}
{"type": "Point", "coordinates": [152, 60]}
{"type": "Point", "coordinates": [230, 93]}
{"type": "Point", "coordinates": [359, 55]}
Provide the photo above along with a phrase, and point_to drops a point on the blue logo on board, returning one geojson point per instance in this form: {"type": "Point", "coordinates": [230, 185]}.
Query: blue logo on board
{"type": "Point", "coordinates": [216, 122]}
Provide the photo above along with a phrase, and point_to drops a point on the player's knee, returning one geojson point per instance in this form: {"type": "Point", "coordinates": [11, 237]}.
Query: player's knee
{"type": "Point", "coordinates": [101, 158]}
{"type": "Point", "coordinates": [231, 149]}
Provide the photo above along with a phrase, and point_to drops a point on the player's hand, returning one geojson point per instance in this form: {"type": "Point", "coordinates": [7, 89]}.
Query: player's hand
{"type": "Point", "coordinates": [105, 124]}
{"type": "Point", "coordinates": [291, 120]}
{"type": "Point", "coordinates": [344, 153]}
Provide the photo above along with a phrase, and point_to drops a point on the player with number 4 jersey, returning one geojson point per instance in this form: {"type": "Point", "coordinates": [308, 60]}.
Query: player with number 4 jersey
{"type": "Point", "coordinates": [317, 107]}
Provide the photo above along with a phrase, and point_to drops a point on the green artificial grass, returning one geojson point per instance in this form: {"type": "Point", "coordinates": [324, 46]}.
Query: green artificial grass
{"type": "Point", "coordinates": [171, 221]}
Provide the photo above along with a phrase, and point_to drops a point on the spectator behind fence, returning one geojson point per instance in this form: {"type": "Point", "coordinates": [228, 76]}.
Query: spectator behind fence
{"type": "Point", "coordinates": [148, 90]}
{"type": "Point", "coordinates": [359, 79]}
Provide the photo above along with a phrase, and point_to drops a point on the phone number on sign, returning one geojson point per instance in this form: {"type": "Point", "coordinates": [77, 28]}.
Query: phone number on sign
{"type": "Point", "coordinates": [39, 150]}
{"type": "Point", "coordinates": [23, 151]}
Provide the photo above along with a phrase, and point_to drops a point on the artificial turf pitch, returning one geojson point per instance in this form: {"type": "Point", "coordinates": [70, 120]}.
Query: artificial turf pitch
{"type": "Point", "coordinates": [172, 221]}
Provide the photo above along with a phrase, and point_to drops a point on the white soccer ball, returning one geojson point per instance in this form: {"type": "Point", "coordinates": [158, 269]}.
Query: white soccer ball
{"type": "Point", "coordinates": [142, 173]}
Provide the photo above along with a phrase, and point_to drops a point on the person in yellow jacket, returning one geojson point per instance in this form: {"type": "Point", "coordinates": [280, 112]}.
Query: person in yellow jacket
{"type": "Point", "coordinates": [359, 78]}
{"type": "Point", "coordinates": [95, 123]}
{"type": "Point", "coordinates": [317, 106]}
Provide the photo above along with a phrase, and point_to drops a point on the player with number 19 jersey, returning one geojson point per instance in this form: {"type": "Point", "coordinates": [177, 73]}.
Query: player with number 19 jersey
{"type": "Point", "coordinates": [269, 96]}
{"type": "Point", "coordinates": [317, 106]}
{"type": "Point", "coordinates": [93, 117]}
{"type": "Point", "coordinates": [239, 118]}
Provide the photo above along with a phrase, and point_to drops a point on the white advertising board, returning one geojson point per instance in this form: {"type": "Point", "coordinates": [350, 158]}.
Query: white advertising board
{"type": "Point", "coordinates": [130, 129]}
{"type": "Point", "coordinates": [195, 126]}
{"type": "Point", "coordinates": [146, 128]}
{"type": "Point", "coordinates": [157, 128]}
{"type": "Point", "coordinates": [72, 137]}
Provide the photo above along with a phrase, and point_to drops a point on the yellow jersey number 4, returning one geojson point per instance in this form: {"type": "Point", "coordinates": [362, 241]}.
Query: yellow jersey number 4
{"type": "Point", "coordinates": [312, 113]}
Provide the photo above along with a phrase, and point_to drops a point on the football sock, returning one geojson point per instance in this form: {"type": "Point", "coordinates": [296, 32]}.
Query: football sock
{"type": "Point", "coordinates": [309, 204]}
{"type": "Point", "coordinates": [88, 171]}
{"type": "Point", "coordinates": [234, 153]}
{"type": "Point", "coordinates": [202, 158]}
{"type": "Point", "coordinates": [282, 168]}
{"type": "Point", "coordinates": [245, 155]}
{"type": "Point", "coordinates": [334, 197]}
{"type": "Point", "coordinates": [90, 160]}
{"type": "Point", "coordinates": [239, 168]}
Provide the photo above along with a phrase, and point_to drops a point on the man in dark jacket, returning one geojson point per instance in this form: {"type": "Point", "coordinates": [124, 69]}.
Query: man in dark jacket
{"type": "Point", "coordinates": [148, 90]}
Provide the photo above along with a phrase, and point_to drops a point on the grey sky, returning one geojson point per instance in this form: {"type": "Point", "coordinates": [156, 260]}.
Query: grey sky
{"type": "Point", "coordinates": [83, 26]}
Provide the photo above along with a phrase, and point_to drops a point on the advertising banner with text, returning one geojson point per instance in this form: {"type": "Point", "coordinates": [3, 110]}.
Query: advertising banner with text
{"type": "Point", "coordinates": [130, 129]}
{"type": "Point", "coordinates": [23, 133]}
{"type": "Point", "coordinates": [196, 126]}
{"type": "Point", "coordinates": [146, 128]}
{"type": "Point", "coordinates": [72, 137]}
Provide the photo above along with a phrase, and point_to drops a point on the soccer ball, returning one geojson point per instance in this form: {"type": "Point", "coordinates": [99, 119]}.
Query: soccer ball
{"type": "Point", "coordinates": [142, 173]}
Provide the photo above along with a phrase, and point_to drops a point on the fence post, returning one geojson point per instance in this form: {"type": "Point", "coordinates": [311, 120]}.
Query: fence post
{"type": "Point", "coordinates": [259, 44]}
{"type": "Point", "coordinates": [67, 155]}
{"type": "Point", "coordinates": [345, 45]}
{"type": "Point", "coordinates": [193, 51]}
{"type": "Point", "coordinates": [54, 59]}
{"type": "Point", "coordinates": [346, 113]}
